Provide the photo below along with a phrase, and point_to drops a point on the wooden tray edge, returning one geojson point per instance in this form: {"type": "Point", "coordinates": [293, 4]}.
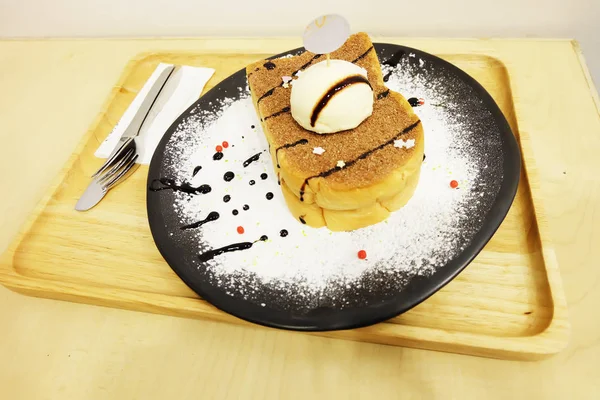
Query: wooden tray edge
{"type": "Point", "coordinates": [544, 344]}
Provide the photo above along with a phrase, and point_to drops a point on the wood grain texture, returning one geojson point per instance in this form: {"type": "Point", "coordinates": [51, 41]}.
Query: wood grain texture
{"type": "Point", "coordinates": [508, 304]}
{"type": "Point", "coordinates": [55, 349]}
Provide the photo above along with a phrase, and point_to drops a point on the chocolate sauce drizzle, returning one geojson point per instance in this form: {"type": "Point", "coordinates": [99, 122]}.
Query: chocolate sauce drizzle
{"type": "Point", "coordinates": [364, 155]}
{"type": "Point", "coordinates": [269, 65]}
{"type": "Point", "coordinates": [307, 64]}
{"type": "Point", "coordinates": [344, 83]}
{"type": "Point", "coordinates": [301, 218]}
{"type": "Point", "coordinates": [383, 95]}
{"type": "Point", "coordinates": [217, 156]}
{"type": "Point", "coordinates": [251, 159]}
{"type": "Point", "coordinates": [278, 113]}
{"type": "Point", "coordinates": [267, 94]}
{"type": "Point", "coordinates": [213, 216]}
{"type": "Point", "coordinates": [271, 91]}
{"type": "Point", "coordinates": [363, 55]}
{"type": "Point", "coordinates": [287, 146]}
{"type": "Point", "coordinates": [196, 170]}
{"type": "Point", "coordinates": [166, 183]}
{"type": "Point", "coordinates": [209, 255]}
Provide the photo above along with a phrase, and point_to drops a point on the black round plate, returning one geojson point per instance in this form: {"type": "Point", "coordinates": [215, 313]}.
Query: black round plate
{"type": "Point", "coordinates": [367, 307]}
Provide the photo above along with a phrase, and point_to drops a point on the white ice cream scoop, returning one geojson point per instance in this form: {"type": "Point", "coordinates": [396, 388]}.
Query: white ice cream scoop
{"type": "Point", "coordinates": [329, 98]}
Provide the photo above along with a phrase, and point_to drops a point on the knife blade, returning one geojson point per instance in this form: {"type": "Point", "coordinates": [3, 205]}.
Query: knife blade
{"type": "Point", "coordinates": [92, 196]}
{"type": "Point", "coordinates": [137, 122]}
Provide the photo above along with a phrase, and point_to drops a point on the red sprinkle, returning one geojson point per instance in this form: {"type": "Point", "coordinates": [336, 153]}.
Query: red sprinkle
{"type": "Point", "coordinates": [362, 254]}
{"type": "Point", "coordinates": [421, 102]}
{"type": "Point", "coordinates": [225, 144]}
{"type": "Point", "coordinates": [240, 229]}
{"type": "Point", "coordinates": [453, 184]}
{"type": "Point", "coordinates": [219, 148]}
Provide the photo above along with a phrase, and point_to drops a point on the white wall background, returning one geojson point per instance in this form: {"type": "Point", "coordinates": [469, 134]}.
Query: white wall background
{"type": "Point", "coordinates": [579, 19]}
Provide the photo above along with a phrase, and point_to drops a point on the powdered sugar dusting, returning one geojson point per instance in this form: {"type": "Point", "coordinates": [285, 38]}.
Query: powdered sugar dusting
{"type": "Point", "coordinates": [310, 267]}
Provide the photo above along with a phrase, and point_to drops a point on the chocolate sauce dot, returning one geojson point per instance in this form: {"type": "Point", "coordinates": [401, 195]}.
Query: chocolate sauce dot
{"type": "Point", "coordinates": [235, 212]}
{"type": "Point", "coordinates": [264, 238]}
{"type": "Point", "coordinates": [196, 170]}
{"type": "Point", "coordinates": [263, 176]}
{"type": "Point", "coordinates": [228, 176]}
{"type": "Point", "coordinates": [226, 198]}
{"type": "Point", "coordinates": [413, 101]}
{"type": "Point", "coordinates": [423, 156]}
{"type": "Point", "coordinates": [302, 220]}
{"type": "Point", "coordinates": [269, 65]}
{"type": "Point", "coordinates": [269, 196]}
{"type": "Point", "coordinates": [246, 207]}
{"type": "Point", "coordinates": [283, 233]}
{"type": "Point", "coordinates": [252, 182]}
{"type": "Point", "coordinates": [217, 156]}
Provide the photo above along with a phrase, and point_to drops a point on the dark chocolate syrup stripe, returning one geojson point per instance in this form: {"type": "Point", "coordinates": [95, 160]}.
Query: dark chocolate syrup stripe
{"type": "Point", "coordinates": [196, 170]}
{"type": "Point", "coordinates": [335, 89]}
{"type": "Point", "coordinates": [287, 146]}
{"type": "Point", "coordinates": [383, 95]}
{"type": "Point", "coordinates": [307, 64]}
{"type": "Point", "coordinates": [213, 216]}
{"type": "Point", "coordinates": [209, 255]}
{"type": "Point", "coordinates": [165, 183]}
{"type": "Point", "coordinates": [267, 94]}
{"type": "Point", "coordinates": [364, 155]}
{"type": "Point", "coordinates": [278, 113]}
{"type": "Point", "coordinates": [363, 55]}
{"type": "Point", "coordinates": [252, 159]}
{"type": "Point", "coordinates": [271, 91]}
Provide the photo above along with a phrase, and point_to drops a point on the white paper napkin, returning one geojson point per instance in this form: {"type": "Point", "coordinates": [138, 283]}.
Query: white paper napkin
{"type": "Point", "coordinates": [181, 90]}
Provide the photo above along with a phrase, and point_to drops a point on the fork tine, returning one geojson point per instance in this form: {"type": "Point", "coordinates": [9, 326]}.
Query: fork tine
{"type": "Point", "coordinates": [123, 174]}
{"type": "Point", "coordinates": [112, 171]}
{"type": "Point", "coordinates": [116, 154]}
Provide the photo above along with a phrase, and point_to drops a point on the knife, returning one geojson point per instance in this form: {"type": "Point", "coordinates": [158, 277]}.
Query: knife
{"type": "Point", "coordinates": [96, 190]}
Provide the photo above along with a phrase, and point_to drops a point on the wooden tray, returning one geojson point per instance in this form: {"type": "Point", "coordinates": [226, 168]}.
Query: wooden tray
{"type": "Point", "coordinates": [509, 303]}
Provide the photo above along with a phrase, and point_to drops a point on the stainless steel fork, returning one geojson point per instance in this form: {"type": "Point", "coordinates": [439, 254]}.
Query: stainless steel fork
{"type": "Point", "coordinates": [121, 162]}
{"type": "Point", "coordinates": [122, 165]}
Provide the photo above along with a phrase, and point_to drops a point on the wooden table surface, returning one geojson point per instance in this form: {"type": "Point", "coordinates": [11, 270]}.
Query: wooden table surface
{"type": "Point", "coordinates": [52, 91]}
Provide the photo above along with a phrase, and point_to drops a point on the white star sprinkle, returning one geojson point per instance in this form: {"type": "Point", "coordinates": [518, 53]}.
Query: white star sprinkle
{"type": "Point", "coordinates": [341, 164]}
{"type": "Point", "coordinates": [404, 144]}
{"type": "Point", "coordinates": [285, 85]}
{"type": "Point", "coordinates": [318, 150]}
